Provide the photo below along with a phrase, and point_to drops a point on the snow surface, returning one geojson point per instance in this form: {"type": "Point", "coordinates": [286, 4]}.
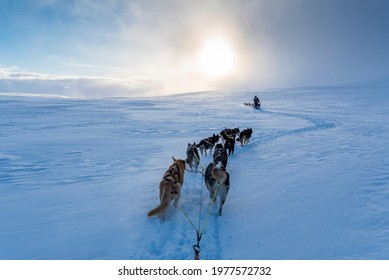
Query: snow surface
{"type": "Point", "coordinates": [78, 176]}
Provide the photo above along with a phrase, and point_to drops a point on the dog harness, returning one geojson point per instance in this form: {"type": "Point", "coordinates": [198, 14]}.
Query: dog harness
{"type": "Point", "coordinates": [169, 176]}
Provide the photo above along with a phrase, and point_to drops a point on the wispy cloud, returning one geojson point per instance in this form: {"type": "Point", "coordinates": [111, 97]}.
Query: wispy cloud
{"type": "Point", "coordinates": [14, 81]}
{"type": "Point", "coordinates": [276, 43]}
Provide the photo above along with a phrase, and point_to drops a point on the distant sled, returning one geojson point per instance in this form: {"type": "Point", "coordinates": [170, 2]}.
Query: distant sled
{"type": "Point", "coordinates": [255, 106]}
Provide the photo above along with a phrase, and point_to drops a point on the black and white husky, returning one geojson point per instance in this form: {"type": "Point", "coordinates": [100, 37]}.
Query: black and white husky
{"type": "Point", "coordinates": [229, 141]}
{"type": "Point", "coordinates": [208, 143]}
{"type": "Point", "coordinates": [245, 136]}
{"type": "Point", "coordinates": [229, 133]}
{"type": "Point", "coordinates": [217, 178]}
{"type": "Point", "coordinates": [192, 156]}
{"type": "Point", "coordinates": [220, 155]}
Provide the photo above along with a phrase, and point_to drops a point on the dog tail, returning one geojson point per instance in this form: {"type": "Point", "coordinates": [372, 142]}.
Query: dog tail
{"type": "Point", "coordinates": [219, 174]}
{"type": "Point", "coordinates": [165, 201]}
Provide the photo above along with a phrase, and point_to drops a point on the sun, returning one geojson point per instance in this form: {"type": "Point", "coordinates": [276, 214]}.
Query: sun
{"type": "Point", "coordinates": [216, 58]}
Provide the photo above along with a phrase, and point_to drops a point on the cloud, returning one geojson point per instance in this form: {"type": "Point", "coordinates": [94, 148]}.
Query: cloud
{"type": "Point", "coordinates": [276, 43]}
{"type": "Point", "coordinates": [316, 42]}
{"type": "Point", "coordinates": [12, 81]}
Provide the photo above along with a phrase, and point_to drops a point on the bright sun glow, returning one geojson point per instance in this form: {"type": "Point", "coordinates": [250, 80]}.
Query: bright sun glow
{"type": "Point", "coordinates": [216, 59]}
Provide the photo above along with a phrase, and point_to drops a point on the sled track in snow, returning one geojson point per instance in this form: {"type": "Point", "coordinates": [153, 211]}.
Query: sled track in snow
{"type": "Point", "coordinates": [211, 240]}
{"type": "Point", "coordinates": [177, 241]}
{"type": "Point", "coordinates": [317, 125]}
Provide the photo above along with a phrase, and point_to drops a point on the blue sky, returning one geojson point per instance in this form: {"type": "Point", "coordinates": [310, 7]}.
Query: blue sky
{"type": "Point", "coordinates": [154, 45]}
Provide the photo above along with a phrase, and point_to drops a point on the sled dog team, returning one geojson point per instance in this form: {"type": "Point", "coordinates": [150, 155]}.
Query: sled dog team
{"type": "Point", "coordinates": [216, 177]}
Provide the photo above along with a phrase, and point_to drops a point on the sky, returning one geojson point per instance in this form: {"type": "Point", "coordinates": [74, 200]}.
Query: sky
{"type": "Point", "coordinates": [129, 47]}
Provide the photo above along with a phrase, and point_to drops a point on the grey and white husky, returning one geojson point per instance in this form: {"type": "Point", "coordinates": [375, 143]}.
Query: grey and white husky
{"type": "Point", "coordinates": [192, 156]}
{"type": "Point", "coordinates": [217, 178]}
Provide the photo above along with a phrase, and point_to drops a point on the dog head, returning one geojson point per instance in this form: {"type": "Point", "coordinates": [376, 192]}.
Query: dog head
{"type": "Point", "coordinates": [218, 147]}
{"type": "Point", "coordinates": [190, 147]}
{"type": "Point", "coordinates": [179, 162]}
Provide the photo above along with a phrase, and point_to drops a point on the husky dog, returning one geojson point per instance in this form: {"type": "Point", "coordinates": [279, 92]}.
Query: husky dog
{"type": "Point", "coordinates": [229, 142]}
{"type": "Point", "coordinates": [208, 143]}
{"type": "Point", "coordinates": [217, 181]}
{"type": "Point", "coordinates": [244, 136]}
{"type": "Point", "coordinates": [229, 145]}
{"type": "Point", "coordinates": [229, 133]}
{"type": "Point", "coordinates": [220, 155]}
{"type": "Point", "coordinates": [255, 106]}
{"type": "Point", "coordinates": [216, 177]}
{"type": "Point", "coordinates": [170, 188]}
{"type": "Point", "coordinates": [192, 156]}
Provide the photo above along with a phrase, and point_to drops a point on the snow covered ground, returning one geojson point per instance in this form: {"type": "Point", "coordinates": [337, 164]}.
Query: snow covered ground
{"type": "Point", "coordinates": [78, 176]}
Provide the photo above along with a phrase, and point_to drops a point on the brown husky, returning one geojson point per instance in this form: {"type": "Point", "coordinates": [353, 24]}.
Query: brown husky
{"type": "Point", "coordinates": [170, 188]}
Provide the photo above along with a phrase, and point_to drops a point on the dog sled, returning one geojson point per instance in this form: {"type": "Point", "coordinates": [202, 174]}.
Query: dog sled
{"type": "Point", "coordinates": [255, 106]}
